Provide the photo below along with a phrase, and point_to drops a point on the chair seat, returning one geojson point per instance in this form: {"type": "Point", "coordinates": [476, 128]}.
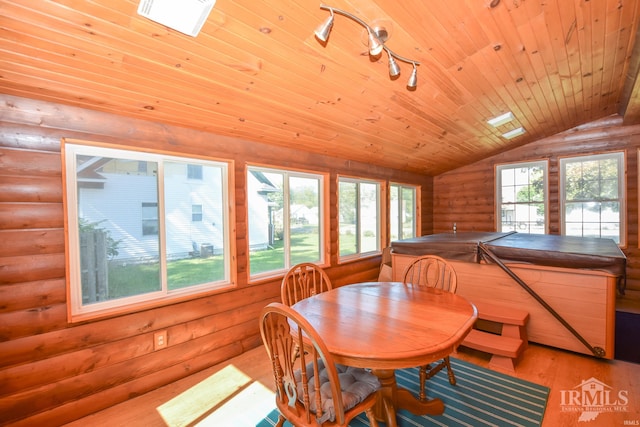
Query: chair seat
{"type": "Point", "coordinates": [356, 385]}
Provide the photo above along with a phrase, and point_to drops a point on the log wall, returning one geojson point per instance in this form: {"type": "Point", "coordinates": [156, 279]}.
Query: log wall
{"type": "Point", "coordinates": [51, 371]}
{"type": "Point", "coordinates": [466, 195]}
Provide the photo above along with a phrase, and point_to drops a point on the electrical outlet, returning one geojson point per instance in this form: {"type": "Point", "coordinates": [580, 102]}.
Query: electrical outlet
{"type": "Point", "coordinates": [159, 340]}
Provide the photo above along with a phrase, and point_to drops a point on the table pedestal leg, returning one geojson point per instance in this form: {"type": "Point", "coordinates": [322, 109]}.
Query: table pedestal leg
{"type": "Point", "coordinates": [391, 398]}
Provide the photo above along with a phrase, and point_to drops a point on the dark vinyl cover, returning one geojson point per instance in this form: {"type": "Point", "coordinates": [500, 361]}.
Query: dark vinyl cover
{"type": "Point", "coordinates": [541, 249]}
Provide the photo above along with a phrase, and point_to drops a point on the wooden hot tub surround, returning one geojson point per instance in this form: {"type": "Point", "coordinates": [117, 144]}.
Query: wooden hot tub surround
{"type": "Point", "coordinates": [583, 298]}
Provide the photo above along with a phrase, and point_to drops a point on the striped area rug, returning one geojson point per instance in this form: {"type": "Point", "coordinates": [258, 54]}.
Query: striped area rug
{"type": "Point", "coordinates": [481, 397]}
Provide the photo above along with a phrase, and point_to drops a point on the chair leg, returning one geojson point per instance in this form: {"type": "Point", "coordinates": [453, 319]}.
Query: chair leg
{"type": "Point", "coordinates": [452, 377]}
{"type": "Point", "coordinates": [372, 418]}
{"type": "Point", "coordinates": [427, 372]}
{"type": "Point", "coordinates": [423, 380]}
{"type": "Point", "coordinates": [281, 421]}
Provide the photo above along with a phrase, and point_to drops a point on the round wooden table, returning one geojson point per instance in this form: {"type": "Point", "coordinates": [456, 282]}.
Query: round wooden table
{"type": "Point", "coordinates": [386, 326]}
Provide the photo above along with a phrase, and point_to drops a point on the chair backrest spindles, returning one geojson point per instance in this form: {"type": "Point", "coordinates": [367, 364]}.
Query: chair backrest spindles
{"type": "Point", "coordinates": [303, 281]}
{"type": "Point", "coordinates": [431, 271]}
{"type": "Point", "coordinates": [275, 327]}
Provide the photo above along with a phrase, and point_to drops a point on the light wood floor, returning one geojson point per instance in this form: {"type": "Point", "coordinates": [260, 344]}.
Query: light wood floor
{"type": "Point", "coordinates": [238, 393]}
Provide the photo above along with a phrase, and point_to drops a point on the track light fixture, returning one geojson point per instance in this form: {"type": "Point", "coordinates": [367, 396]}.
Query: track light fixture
{"type": "Point", "coordinates": [376, 44]}
{"type": "Point", "coordinates": [413, 78]}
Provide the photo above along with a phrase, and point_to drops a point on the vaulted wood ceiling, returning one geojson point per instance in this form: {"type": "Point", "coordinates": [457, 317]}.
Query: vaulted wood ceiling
{"type": "Point", "coordinates": [257, 72]}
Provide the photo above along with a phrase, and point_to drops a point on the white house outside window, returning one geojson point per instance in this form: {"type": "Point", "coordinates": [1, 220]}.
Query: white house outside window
{"type": "Point", "coordinates": [402, 211]}
{"type": "Point", "coordinates": [592, 196]}
{"type": "Point", "coordinates": [286, 217]}
{"type": "Point", "coordinates": [521, 191]}
{"type": "Point", "coordinates": [359, 216]}
{"type": "Point", "coordinates": [116, 264]}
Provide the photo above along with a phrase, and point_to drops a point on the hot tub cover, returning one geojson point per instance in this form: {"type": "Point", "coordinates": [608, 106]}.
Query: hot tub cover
{"type": "Point", "coordinates": [541, 249]}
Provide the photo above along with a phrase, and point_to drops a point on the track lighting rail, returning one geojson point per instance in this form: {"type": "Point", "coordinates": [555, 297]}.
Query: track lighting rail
{"type": "Point", "coordinates": [376, 44]}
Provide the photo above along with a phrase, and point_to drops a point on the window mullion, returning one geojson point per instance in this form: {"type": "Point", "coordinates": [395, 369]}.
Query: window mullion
{"type": "Point", "coordinates": [358, 219]}
{"type": "Point", "coordinates": [286, 219]}
{"type": "Point", "coordinates": [162, 228]}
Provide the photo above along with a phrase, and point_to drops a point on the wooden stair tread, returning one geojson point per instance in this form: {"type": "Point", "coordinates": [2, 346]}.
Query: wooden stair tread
{"type": "Point", "coordinates": [501, 314]}
{"type": "Point", "coordinates": [494, 344]}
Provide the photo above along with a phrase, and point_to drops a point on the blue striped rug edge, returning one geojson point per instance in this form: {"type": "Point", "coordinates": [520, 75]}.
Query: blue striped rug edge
{"type": "Point", "coordinates": [481, 397]}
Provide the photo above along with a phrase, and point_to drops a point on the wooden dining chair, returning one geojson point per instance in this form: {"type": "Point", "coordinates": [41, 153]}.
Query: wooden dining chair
{"type": "Point", "coordinates": [434, 272]}
{"type": "Point", "coordinates": [302, 281]}
{"type": "Point", "coordinates": [311, 390]}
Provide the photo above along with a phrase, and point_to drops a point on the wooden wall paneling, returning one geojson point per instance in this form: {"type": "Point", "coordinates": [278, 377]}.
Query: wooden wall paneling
{"type": "Point", "coordinates": [29, 163]}
{"type": "Point", "coordinates": [219, 328]}
{"type": "Point", "coordinates": [105, 361]}
{"type": "Point", "coordinates": [29, 189]}
{"type": "Point", "coordinates": [112, 329]}
{"type": "Point", "coordinates": [24, 137]}
{"type": "Point", "coordinates": [632, 188]}
{"type": "Point", "coordinates": [46, 397]}
{"type": "Point", "coordinates": [354, 272]}
{"type": "Point", "coordinates": [24, 215]}
{"type": "Point", "coordinates": [31, 268]}
{"type": "Point", "coordinates": [31, 241]}
{"type": "Point", "coordinates": [334, 219]}
{"type": "Point", "coordinates": [21, 296]}
{"type": "Point", "coordinates": [110, 396]}
{"type": "Point", "coordinates": [451, 194]}
{"type": "Point", "coordinates": [426, 208]}
{"type": "Point", "coordinates": [33, 321]}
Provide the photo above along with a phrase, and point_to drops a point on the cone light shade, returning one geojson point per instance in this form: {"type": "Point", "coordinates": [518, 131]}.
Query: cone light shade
{"type": "Point", "coordinates": [413, 78]}
{"type": "Point", "coordinates": [394, 68]}
{"type": "Point", "coordinates": [323, 30]}
{"type": "Point", "coordinates": [375, 47]}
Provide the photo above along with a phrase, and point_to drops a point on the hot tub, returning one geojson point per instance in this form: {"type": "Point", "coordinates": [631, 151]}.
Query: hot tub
{"type": "Point", "coordinates": [576, 277]}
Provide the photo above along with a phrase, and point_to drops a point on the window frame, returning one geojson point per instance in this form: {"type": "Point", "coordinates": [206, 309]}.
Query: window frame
{"type": "Point", "coordinates": [323, 220]}
{"type": "Point", "coordinates": [382, 224]}
{"type": "Point", "coordinates": [416, 208]}
{"type": "Point", "coordinates": [498, 189]}
{"type": "Point", "coordinates": [621, 158]}
{"type": "Point", "coordinates": [76, 311]}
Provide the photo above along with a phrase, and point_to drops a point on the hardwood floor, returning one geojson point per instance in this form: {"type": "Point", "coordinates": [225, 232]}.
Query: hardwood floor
{"type": "Point", "coordinates": [238, 393]}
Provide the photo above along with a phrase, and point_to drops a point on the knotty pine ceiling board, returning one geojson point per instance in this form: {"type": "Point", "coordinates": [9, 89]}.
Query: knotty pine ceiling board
{"type": "Point", "coordinates": [258, 73]}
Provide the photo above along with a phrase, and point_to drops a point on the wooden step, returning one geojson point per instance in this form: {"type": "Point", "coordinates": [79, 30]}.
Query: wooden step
{"type": "Point", "coordinates": [495, 344]}
{"type": "Point", "coordinates": [501, 314]}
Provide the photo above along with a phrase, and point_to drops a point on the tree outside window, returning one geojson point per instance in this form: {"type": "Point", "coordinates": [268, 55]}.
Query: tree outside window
{"type": "Point", "coordinates": [593, 196]}
{"type": "Point", "coordinates": [402, 211]}
{"type": "Point", "coordinates": [359, 211]}
{"type": "Point", "coordinates": [285, 219]}
{"type": "Point", "coordinates": [521, 196]}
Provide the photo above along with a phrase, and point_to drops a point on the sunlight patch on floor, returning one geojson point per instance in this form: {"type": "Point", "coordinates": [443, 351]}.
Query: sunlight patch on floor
{"type": "Point", "coordinates": [246, 409]}
{"type": "Point", "coordinates": [228, 396]}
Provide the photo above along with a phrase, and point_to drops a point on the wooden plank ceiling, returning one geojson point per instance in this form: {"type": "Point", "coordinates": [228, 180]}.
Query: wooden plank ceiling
{"type": "Point", "coordinates": [257, 72]}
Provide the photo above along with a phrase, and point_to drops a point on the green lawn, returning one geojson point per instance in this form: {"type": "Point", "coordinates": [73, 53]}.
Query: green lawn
{"type": "Point", "coordinates": [304, 248]}
{"type": "Point", "coordinates": [136, 279]}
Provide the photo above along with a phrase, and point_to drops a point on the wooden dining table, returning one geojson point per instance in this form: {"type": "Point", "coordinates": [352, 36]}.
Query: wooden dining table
{"type": "Point", "coordinates": [386, 326]}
